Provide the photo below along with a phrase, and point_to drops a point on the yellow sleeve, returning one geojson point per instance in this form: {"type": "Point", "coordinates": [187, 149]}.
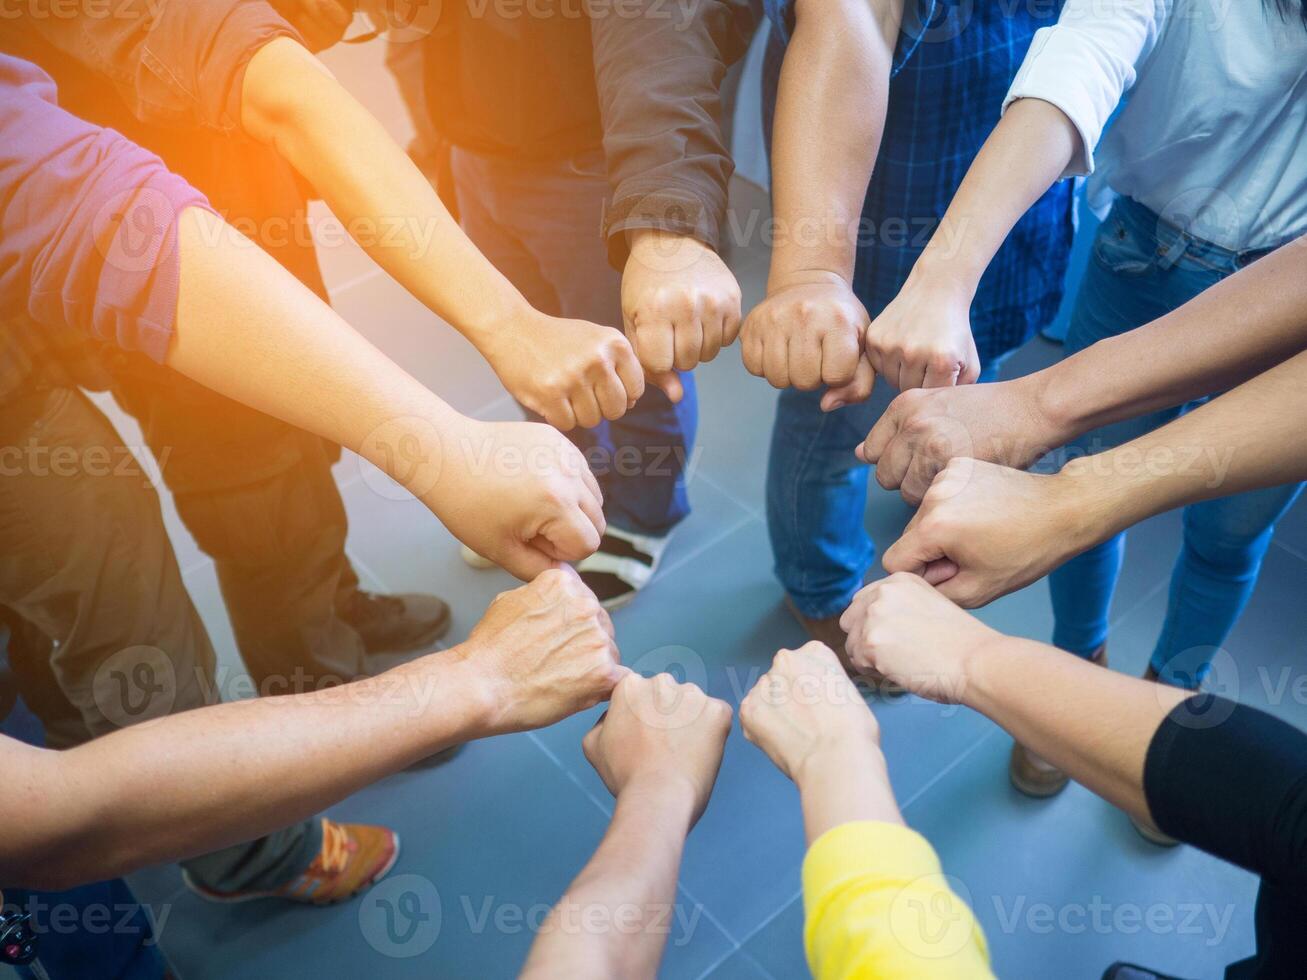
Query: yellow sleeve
{"type": "Point", "coordinates": [877, 905]}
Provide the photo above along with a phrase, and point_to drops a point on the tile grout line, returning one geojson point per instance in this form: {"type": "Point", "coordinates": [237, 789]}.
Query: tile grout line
{"type": "Point", "coordinates": [729, 495]}
{"type": "Point", "coordinates": [767, 920]}
{"type": "Point", "coordinates": [336, 292]}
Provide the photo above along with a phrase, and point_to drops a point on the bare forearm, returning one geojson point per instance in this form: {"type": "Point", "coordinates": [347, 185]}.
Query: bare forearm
{"type": "Point", "coordinates": [193, 782]}
{"type": "Point", "coordinates": [612, 920]}
{"type": "Point", "coordinates": [1248, 438]}
{"type": "Point", "coordinates": [830, 112]}
{"type": "Point", "coordinates": [1095, 724]}
{"type": "Point", "coordinates": [1227, 334]}
{"type": "Point", "coordinates": [385, 202]}
{"type": "Point", "coordinates": [249, 330]}
{"type": "Point", "coordinates": [1024, 156]}
{"type": "Point", "coordinates": [847, 783]}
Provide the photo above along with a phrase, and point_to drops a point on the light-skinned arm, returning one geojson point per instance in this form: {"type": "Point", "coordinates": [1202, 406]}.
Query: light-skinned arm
{"type": "Point", "coordinates": [1227, 334]}
{"type": "Point", "coordinates": [1095, 724]}
{"type": "Point", "coordinates": [517, 492]}
{"type": "Point", "coordinates": [570, 372]}
{"type": "Point", "coordinates": [830, 112]}
{"type": "Point", "coordinates": [985, 530]}
{"type": "Point", "coordinates": [863, 866]}
{"type": "Point", "coordinates": [1071, 79]}
{"type": "Point", "coordinates": [186, 784]}
{"type": "Point", "coordinates": [657, 749]}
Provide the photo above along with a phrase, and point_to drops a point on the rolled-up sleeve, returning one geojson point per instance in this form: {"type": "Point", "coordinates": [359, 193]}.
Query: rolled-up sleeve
{"type": "Point", "coordinates": [175, 62]}
{"type": "Point", "coordinates": [88, 221]}
{"type": "Point", "coordinates": [658, 72]}
{"type": "Point", "coordinates": [1086, 63]}
{"type": "Point", "coordinates": [877, 904]}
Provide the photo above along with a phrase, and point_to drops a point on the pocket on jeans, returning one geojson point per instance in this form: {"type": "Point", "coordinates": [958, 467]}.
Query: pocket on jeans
{"type": "Point", "coordinates": [1122, 251]}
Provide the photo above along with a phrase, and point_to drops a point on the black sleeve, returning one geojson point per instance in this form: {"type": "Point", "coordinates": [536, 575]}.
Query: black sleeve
{"type": "Point", "coordinates": [659, 66]}
{"type": "Point", "coordinates": [1232, 780]}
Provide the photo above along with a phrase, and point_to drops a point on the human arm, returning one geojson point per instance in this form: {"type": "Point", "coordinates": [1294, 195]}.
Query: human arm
{"type": "Point", "coordinates": [984, 530]}
{"type": "Point", "coordinates": [571, 372]}
{"type": "Point", "coordinates": [98, 235]}
{"type": "Point", "coordinates": [185, 784]}
{"type": "Point", "coordinates": [1134, 742]}
{"type": "Point", "coordinates": [865, 871]}
{"type": "Point", "coordinates": [659, 78]}
{"type": "Point", "coordinates": [1191, 351]}
{"type": "Point", "coordinates": [658, 749]}
{"type": "Point", "coordinates": [1071, 79]}
{"type": "Point", "coordinates": [830, 111]}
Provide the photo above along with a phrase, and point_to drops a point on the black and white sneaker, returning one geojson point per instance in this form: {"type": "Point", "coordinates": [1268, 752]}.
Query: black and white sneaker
{"type": "Point", "coordinates": [623, 565]}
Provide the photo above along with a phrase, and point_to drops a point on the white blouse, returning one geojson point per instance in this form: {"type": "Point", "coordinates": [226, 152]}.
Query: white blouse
{"type": "Point", "coordinates": [1213, 135]}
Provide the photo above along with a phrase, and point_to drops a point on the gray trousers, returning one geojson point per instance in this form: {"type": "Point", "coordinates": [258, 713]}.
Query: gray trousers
{"type": "Point", "coordinates": [103, 633]}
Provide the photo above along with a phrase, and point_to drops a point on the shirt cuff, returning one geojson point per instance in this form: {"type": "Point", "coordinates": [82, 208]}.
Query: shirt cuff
{"type": "Point", "coordinates": [673, 210]}
{"type": "Point", "coordinates": [1065, 68]}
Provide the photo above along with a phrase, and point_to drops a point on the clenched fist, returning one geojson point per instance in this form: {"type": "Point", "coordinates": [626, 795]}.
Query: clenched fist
{"type": "Point", "coordinates": [546, 651]}
{"type": "Point", "coordinates": [804, 708]}
{"type": "Point", "coordinates": [660, 732]}
{"type": "Point", "coordinates": [518, 493]}
{"type": "Point", "coordinates": [984, 530]}
{"type": "Point", "coordinates": [902, 627]}
{"type": "Point", "coordinates": [923, 338]}
{"type": "Point", "coordinates": [923, 429]}
{"type": "Point", "coordinates": [569, 372]}
{"type": "Point", "coordinates": [680, 305]}
{"type": "Point", "coordinates": [808, 333]}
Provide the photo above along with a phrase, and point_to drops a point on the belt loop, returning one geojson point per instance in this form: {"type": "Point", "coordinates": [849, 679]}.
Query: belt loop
{"type": "Point", "coordinates": [1171, 254]}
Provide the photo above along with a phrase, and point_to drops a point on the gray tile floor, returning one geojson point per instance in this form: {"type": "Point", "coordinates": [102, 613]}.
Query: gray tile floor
{"type": "Point", "coordinates": [1062, 887]}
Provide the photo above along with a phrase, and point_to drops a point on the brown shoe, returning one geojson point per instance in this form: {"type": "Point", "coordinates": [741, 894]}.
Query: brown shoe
{"type": "Point", "coordinates": [1034, 775]}
{"type": "Point", "coordinates": [352, 858]}
{"type": "Point", "coordinates": [828, 631]}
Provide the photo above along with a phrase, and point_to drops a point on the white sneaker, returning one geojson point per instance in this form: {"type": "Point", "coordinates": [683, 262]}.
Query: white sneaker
{"type": "Point", "coordinates": [624, 564]}
{"type": "Point", "coordinates": [472, 559]}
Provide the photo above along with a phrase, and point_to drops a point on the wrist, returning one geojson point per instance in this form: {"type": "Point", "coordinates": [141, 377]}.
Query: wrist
{"type": "Point", "coordinates": [846, 784]}
{"type": "Point", "coordinates": [946, 275]}
{"type": "Point", "coordinates": [846, 752]}
{"type": "Point", "coordinates": [668, 793]}
{"type": "Point", "coordinates": [1090, 503]}
{"type": "Point", "coordinates": [477, 691]}
{"type": "Point", "coordinates": [782, 279]}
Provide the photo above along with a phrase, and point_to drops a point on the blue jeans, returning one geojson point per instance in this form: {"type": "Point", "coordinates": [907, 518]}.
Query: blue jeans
{"type": "Point", "coordinates": [817, 495]}
{"type": "Point", "coordinates": [538, 222]}
{"type": "Point", "coordinates": [1142, 268]}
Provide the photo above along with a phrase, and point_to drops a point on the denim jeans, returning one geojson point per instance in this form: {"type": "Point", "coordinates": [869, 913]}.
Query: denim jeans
{"type": "Point", "coordinates": [817, 495]}
{"type": "Point", "coordinates": [1142, 268]}
{"type": "Point", "coordinates": [538, 222]}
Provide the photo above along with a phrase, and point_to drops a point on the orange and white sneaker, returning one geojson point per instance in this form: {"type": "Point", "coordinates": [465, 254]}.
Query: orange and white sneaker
{"type": "Point", "coordinates": [353, 857]}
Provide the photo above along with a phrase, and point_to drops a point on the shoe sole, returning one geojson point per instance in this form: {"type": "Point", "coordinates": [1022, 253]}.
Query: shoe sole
{"type": "Point", "coordinates": [218, 898]}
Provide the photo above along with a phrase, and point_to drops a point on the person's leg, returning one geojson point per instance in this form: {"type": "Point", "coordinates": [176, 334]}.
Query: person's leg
{"type": "Point", "coordinates": [539, 224]}
{"type": "Point", "coordinates": [261, 500]}
{"type": "Point", "coordinates": [86, 564]}
{"type": "Point", "coordinates": [1224, 543]}
{"type": "Point", "coordinates": [1124, 287]}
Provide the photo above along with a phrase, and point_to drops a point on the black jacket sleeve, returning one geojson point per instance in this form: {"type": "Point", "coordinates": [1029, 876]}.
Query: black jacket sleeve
{"type": "Point", "coordinates": [659, 66]}
{"type": "Point", "coordinates": [1232, 780]}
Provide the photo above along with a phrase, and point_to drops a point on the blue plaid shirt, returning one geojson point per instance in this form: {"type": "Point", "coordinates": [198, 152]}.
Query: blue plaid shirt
{"type": "Point", "coordinates": [953, 64]}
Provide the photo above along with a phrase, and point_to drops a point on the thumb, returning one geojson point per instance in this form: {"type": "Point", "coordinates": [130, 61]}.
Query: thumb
{"type": "Point", "coordinates": [940, 570]}
{"type": "Point", "coordinates": [913, 553]}
{"type": "Point", "coordinates": [857, 390]}
{"type": "Point", "coordinates": [670, 383]}
{"type": "Point", "coordinates": [525, 561]}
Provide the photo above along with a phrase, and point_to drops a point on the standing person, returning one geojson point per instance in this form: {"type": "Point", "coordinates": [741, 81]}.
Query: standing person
{"type": "Point", "coordinates": [1206, 165]}
{"type": "Point", "coordinates": [98, 237]}
{"type": "Point", "coordinates": [592, 144]}
{"type": "Point", "coordinates": [258, 496]}
{"type": "Point", "coordinates": [878, 109]}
